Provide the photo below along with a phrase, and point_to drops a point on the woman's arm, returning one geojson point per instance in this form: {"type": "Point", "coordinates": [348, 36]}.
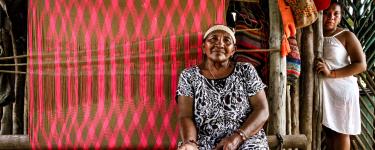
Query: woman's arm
{"type": "Point", "coordinates": [355, 52]}
{"type": "Point", "coordinates": [252, 124]}
{"type": "Point", "coordinates": [258, 116]}
{"type": "Point", "coordinates": [185, 119]}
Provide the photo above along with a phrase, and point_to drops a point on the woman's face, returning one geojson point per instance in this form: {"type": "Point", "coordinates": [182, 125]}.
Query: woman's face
{"type": "Point", "coordinates": [331, 17]}
{"type": "Point", "coordinates": [219, 46]}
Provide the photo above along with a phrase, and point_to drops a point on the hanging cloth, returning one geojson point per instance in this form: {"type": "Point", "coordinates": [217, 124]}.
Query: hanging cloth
{"type": "Point", "coordinates": [252, 31]}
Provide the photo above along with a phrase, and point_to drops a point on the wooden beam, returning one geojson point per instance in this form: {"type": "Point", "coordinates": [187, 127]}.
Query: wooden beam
{"type": "Point", "coordinates": [289, 141]}
{"type": "Point", "coordinates": [14, 142]}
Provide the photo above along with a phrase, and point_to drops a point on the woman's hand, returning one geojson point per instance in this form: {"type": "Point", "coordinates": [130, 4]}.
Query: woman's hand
{"type": "Point", "coordinates": [188, 146]}
{"type": "Point", "coordinates": [321, 67]}
{"type": "Point", "coordinates": [230, 143]}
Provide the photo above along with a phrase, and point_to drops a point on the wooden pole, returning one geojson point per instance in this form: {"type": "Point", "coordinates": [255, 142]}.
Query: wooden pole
{"type": "Point", "coordinates": [1, 116]}
{"type": "Point", "coordinates": [294, 95]}
{"type": "Point", "coordinates": [18, 114]}
{"type": "Point", "coordinates": [288, 113]}
{"type": "Point", "coordinates": [26, 107]}
{"type": "Point", "coordinates": [277, 82]}
{"type": "Point", "coordinates": [18, 106]}
{"type": "Point", "coordinates": [318, 110]}
{"type": "Point", "coordinates": [307, 78]}
{"type": "Point", "coordinates": [6, 120]}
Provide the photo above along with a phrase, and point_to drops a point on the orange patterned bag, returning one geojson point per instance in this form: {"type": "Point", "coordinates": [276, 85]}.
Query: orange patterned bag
{"type": "Point", "coordinates": [304, 12]}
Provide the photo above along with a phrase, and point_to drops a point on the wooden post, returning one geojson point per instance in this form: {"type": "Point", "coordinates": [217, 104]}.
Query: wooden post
{"type": "Point", "coordinates": [6, 121]}
{"type": "Point", "coordinates": [277, 82]}
{"type": "Point", "coordinates": [295, 107]}
{"type": "Point", "coordinates": [26, 108]}
{"type": "Point", "coordinates": [294, 92]}
{"type": "Point", "coordinates": [1, 115]}
{"type": "Point", "coordinates": [318, 110]}
{"type": "Point", "coordinates": [18, 105]}
{"type": "Point", "coordinates": [288, 110]}
{"type": "Point", "coordinates": [17, 118]}
{"type": "Point", "coordinates": [307, 78]}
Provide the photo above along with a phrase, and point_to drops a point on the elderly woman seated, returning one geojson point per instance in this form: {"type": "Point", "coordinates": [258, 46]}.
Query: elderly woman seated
{"type": "Point", "coordinates": [222, 103]}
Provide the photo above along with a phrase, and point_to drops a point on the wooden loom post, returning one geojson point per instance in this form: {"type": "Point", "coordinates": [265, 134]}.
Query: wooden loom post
{"type": "Point", "coordinates": [307, 81]}
{"type": "Point", "coordinates": [6, 120]}
{"type": "Point", "coordinates": [317, 108]}
{"type": "Point", "coordinates": [277, 83]}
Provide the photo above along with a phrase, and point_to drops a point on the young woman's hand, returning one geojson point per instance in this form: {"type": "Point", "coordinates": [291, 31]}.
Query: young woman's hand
{"type": "Point", "coordinates": [321, 67]}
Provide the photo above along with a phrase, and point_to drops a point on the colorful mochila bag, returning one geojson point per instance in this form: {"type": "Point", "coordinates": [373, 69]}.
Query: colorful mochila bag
{"type": "Point", "coordinates": [304, 11]}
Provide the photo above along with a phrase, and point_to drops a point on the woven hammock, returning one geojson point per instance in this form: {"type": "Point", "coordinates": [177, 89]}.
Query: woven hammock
{"type": "Point", "coordinates": [102, 74]}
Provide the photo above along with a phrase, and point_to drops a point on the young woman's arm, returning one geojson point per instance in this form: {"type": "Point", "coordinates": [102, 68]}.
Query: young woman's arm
{"type": "Point", "coordinates": [355, 52]}
{"type": "Point", "coordinates": [357, 57]}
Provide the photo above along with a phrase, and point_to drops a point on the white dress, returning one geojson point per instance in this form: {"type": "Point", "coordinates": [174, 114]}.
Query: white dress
{"type": "Point", "coordinates": [340, 96]}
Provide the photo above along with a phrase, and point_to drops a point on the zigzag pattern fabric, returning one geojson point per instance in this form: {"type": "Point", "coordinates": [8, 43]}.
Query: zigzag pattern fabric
{"type": "Point", "coordinates": [102, 74]}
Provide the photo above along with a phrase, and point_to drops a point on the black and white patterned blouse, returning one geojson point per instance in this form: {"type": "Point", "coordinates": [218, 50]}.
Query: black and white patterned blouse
{"type": "Point", "coordinates": [222, 105]}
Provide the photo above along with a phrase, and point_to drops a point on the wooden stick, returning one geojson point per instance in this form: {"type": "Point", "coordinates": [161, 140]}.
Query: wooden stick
{"type": "Point", "coordinates": [258, 50]}
{"type": "Point", "coordinates": [360, 143]}
{"type": "Point", "coordinates": [369, 85]}
{"type": "Point", "coordinates": [13, 57]}
{"type": "Point", "coordinates": [14, 72]}
{"type": "Point", "coordinates": [20, 64]}
{"type": "Point", "coordinates": [369, 78]}
{"type": "Point", "coordinates": [366, 93]}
